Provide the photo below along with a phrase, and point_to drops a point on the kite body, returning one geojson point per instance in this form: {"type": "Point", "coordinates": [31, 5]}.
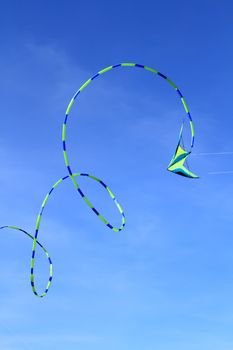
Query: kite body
{"type": "Point", "coordinates": [176, 166]}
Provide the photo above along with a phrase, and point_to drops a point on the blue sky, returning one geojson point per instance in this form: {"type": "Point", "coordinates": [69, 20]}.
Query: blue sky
{"type": "Point", "coordinates": [165, 282]}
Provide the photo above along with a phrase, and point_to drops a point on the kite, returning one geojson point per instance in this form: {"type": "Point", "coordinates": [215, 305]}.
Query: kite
{"type": "Point", "coordinates": [177, 166]}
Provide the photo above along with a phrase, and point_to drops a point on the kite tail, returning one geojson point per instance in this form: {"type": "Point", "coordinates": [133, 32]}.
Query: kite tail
{"type": "Point", "coordinates": [38, 222]}
{"type": "Point", "coordinates": [64, 129]}
{"type": "Point", "coordinates": [71, 175]}
{"type": "Point", "coordinates": [35, 242]}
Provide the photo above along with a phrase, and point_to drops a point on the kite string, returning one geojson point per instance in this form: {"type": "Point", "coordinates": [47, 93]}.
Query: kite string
{"type": "Point", "coordinates": [223, 172]}
{"type": "Point", "coordinates": [224, 153]}
{"type": "Point", "coordinates": [212, 154]}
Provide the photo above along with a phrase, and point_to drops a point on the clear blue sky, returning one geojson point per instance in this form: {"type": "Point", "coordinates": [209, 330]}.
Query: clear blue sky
{"type": "Point", "coordinates": [165, 282]}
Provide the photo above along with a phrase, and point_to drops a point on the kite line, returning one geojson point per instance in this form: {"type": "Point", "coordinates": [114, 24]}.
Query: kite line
{"type": "Point", "coordinates": [176, 166]}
